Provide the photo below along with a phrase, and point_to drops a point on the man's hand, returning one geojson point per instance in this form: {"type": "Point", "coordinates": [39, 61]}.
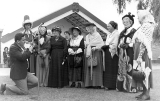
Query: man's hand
{"type": "Point", "coordinates": [30, 49]}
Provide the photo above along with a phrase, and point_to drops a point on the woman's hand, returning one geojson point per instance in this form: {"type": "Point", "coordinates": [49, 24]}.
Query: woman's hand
{"type": "Point", "coordinates": [139, 60]}
{"type": "Point", "coordinates": [94, 48]}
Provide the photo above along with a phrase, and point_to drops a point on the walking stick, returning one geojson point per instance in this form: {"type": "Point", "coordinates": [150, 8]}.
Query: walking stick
{"type": "Point", "coordinates": [38, 53]}
{"type": "Point", "coordinates": [91, 66]}
{"type": "Point", "coordinates": [38, 71]}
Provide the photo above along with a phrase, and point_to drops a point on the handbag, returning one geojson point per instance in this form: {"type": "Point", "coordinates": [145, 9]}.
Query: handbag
{"type": "Point", "coordinates": [92, 60]}
{"type": "Point", "coordinates": [77, 61]}
{"type": "Point", "coordinates": [138, 75]}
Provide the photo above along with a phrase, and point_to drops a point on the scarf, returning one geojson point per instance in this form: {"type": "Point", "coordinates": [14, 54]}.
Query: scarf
{"type": "Point", "coordinates": [144, 35]}
{"type": "Point", "coordinates": [94, 39]}
{"type": "Point", "coordinates": [112, 41]}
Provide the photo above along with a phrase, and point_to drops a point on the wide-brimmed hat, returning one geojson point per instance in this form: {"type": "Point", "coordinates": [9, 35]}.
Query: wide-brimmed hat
{"type": "Point", "coordinates": [77, 28]}
{"type": "Point", "coordinates": [89, 24]}
{"type": "Point", "coordinates": [57, 29]}
{"type": "Point", "coordinates": [27, 21]}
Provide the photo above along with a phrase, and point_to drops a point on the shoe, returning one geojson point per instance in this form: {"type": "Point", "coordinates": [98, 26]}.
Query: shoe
{"type": "Point", "coordinates": [139, 96]}
{"type": "Point", "coordinates": [133, 90]}
{"type": "Point", "coordinates": [3, 88]}
{"type": "Point", "coordinates": [73, 84]}
{"type": "Point", "coordinates": [144, 98]}
{"type": "Point", "coordinates": [110, 88]}
{"type": "Point", "coordinates": [79, 85]}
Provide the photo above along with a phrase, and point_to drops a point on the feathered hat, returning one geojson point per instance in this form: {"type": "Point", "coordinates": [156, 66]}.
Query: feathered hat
{"type": "Point", "coordinates": [27, 21]}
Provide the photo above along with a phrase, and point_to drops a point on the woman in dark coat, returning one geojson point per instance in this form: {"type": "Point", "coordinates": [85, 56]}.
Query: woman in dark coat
{"type": "Point", "coordinates": [111, 58]}
{"type": "Point", "coordinates": [125, 51]}
{"type": "Point", "coordinates": [58, 55]}
{"type": "Point", "coordinates": [76, 50]}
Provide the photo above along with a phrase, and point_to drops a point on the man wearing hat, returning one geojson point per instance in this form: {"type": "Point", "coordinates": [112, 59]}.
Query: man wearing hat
{"type": "Point", "coordinates": [93, 55]}
{"type": "Point", "coordinates": [125, 49]}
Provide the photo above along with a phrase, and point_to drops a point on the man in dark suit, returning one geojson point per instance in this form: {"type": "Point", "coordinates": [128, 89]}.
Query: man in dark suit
{"type": "Point", "coordinates": [19, 63]}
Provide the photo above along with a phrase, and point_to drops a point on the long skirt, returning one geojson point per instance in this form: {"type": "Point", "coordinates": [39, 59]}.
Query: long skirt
{"type": "Point", "coordinates": [75, 73]}
{"type": "Point", "coordinates": [124, 79]}
{"type": "Point", "coordinates": [147, 61]}
{"type": "Point", "coordinates": [97, 76]}
{"type": "Point", "coordinates": [57, 71]}
{"type": "Point", "coordinates": [111, 70]}
{"type": "Point", "coordinates": [42, 70]}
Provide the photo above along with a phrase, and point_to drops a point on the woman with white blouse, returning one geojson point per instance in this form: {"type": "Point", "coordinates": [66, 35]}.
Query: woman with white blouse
{"type": "Point", "coordinates": [111, 57]}
{"type": "Point", "coordinates": [76, 53]}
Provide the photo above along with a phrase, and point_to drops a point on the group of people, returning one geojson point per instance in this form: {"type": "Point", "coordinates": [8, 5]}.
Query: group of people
{"type": "Point", "coordinates": [78, 61]}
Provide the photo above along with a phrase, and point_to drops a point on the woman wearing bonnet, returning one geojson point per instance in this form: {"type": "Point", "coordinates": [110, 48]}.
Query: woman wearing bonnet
{"type": "Point", "coordinates": [142, 52]}
{"type": "Point", "coordinates": [125, 52]}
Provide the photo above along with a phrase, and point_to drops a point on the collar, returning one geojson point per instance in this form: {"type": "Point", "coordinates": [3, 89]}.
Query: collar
{"type": "Point", "coordinates": [19, 46]}
{"type": "Point", "coordinates": [111, 34]}
{"type": "Point", "coordinates": [93, 34]}
{"type": "Point", "coordinates": [128, 30]}
{"type": "Point", "coordinates": [75, 38]}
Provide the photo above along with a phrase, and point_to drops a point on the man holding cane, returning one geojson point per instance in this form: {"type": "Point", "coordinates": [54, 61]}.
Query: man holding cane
{"type": "Point", "coordinates": [19, 63]}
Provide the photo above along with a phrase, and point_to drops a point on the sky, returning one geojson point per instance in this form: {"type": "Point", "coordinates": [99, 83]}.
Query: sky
{"type": "Point", "coordinates": [12, 11]}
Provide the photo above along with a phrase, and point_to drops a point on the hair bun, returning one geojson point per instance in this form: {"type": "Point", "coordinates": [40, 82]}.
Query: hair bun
{"type": "Point", "coordinates": [129, 13]}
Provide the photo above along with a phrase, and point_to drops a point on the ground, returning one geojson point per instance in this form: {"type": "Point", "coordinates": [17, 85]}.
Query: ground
{"type": "Point", "coordinates": [76, 94]}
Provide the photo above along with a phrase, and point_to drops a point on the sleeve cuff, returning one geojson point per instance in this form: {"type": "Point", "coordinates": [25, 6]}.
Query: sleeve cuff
{"type": "Point", "coordinates": [70, 50]}
{"type": "Point", "coordinates": [131, 45]}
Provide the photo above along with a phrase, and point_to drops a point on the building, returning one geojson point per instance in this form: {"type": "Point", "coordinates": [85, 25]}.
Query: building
{"type": "Point", "coordinates": [67, 17]}
{"type": "Point", "coordinates": [1, 49]}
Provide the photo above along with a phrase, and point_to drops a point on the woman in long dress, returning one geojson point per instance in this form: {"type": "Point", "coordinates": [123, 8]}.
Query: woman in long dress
{"type": "Point", "coordinates": [76, 50]}
{"type": "Point", "coordinates": [29, 39]}
{"type": "Point", "coordinates": [111, 57]}
{"type": "Point", "coordinates": [93, 71]}
{"type": "Point", "coordinates": [125, 52]}
{"type": "Point", "coordinates": [42, 61]}
{"type": "Point", "coordinates": [143, 53]}
{"type": "Point", "coordinates": [58, 56]}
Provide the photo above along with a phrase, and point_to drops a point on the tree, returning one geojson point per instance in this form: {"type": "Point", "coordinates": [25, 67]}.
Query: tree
{"type": "Point", "coordinates": [152, 5]}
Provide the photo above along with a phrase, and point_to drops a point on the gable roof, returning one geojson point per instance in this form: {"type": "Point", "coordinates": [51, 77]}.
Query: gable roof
{"type": "Point", "coordinates": [75, 7]}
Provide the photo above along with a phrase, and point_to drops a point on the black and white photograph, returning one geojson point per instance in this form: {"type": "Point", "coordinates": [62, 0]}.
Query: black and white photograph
{"type": "Point", "coordinates": [79, 50]}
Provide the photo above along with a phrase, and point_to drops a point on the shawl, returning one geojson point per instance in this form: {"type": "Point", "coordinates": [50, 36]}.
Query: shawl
{"type": "Point", "coordinates": [144, 35]}
{"type": "Point", "coordinates": [94, 39]}
{"type": "Point", "coordinates": [112, 41]}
